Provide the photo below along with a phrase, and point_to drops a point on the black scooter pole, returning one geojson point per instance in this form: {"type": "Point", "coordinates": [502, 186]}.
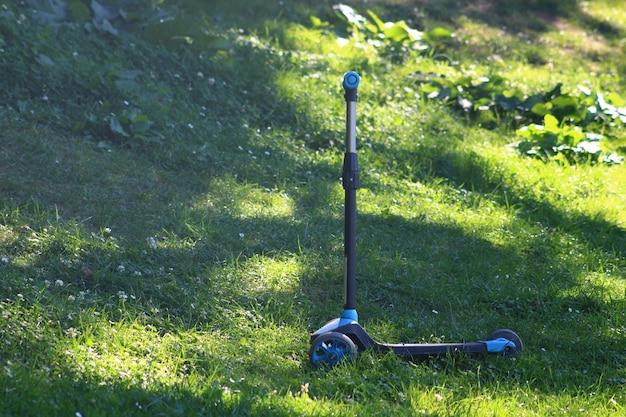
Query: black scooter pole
{"type": "Point", "coordinates": [350, 180]}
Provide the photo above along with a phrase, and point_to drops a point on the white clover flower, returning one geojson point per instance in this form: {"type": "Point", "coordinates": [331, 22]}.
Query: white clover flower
{"type": "Point", "coordinates": [152, 243]}
{"type": "Point", "coordinates": [72, 332]}
{"type": "Point", "coordinates": [59, 283]}
{"type": "Point", "coordinates": [5, 259]}
{"type": "Point", "coordinates": [137, 273]}
{"type": "Point", "coordinates": [122, 295]}
{"type": "Point", "coordinates": [71, 298]}
{"type": "Point", "coordinates": [46, 282]}
{"type": "Point", "coordinates": [121, 268]}
{"type": "Point", "coordinates": [241, 235]}
{"type": "Point", "coordinates": [211, 81]}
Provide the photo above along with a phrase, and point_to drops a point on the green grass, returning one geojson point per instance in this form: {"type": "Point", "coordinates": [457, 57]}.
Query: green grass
{"type": "Point", "coordinates": [180, 270]}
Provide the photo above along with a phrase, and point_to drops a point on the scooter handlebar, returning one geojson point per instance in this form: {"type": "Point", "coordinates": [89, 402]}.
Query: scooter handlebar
{"type": "Point", "coordinates": [351, 80]}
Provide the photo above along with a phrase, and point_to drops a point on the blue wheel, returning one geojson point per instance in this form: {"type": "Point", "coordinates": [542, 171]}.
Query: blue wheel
{"type": "Point", "coordinates": [513, 337]}
{"type": "Point", "coordinates": [328, 349]}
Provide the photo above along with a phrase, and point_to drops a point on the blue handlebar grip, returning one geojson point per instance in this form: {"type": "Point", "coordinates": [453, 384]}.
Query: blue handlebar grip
{"type": "Point", "coordinates": [351, 80]}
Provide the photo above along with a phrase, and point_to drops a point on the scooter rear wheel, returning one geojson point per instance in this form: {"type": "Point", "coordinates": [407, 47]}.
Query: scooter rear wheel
{"type": "Point", "coordinates": [328, 349]}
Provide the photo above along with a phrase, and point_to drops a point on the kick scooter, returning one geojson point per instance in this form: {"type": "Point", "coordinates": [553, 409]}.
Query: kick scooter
{"type": "Point", "coordinates": [343, 337]}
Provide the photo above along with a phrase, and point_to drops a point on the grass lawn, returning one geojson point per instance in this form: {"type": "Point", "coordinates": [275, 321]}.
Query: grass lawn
{"type": "Point", "coordinates": [171, 216]}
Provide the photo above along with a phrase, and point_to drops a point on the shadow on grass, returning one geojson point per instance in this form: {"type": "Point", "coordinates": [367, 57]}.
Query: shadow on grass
{"type": "Point", "coordinates": [431, 267]}
{"type": "Point", "coordinates": [471, 171]}
{"type": "Point", "coordinates": [409, 268]}
{"type": "Point", "coordinates": [92, 397]}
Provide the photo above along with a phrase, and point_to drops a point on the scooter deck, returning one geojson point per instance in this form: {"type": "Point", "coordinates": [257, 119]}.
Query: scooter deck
{"type": "Point", "coordinates": [363, 341]}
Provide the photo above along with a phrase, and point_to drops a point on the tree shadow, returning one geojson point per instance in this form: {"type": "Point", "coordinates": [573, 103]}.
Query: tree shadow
{"type": "Point", "coordinates": [409, 268]}
{"type": "Point", "coordinates": [470, 171]}
{"type": "Point", "coordinates": [400, 285]}
{"type": "Point", "coordinates": [606, 29]}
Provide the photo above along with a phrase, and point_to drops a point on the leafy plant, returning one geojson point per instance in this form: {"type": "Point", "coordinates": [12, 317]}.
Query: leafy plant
{"type": "Point", "coordinates": [482, 97]}
{"type": "Point", "coordinates": [373, 30]}
{"type": "Point", "coordinates": [565, 142]}
{"type": "Point", "coordinates": [489, 97]}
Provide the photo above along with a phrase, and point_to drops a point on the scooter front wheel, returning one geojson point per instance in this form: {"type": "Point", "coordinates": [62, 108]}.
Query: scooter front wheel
{"type": "Point", "coordinates": [328, 349]}
{"type": "Point", "coordinates": [513, 337]}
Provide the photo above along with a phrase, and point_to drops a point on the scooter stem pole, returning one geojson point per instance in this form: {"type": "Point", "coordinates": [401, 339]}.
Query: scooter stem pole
{"type": "Point", "coordinates": [350, 179]}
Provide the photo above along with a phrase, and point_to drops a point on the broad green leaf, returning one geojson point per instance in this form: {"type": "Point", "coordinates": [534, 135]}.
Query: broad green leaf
{"type": "Point", "coordinates": [524, 132]}
{"type": "Point", "coordinates": [415, 35]}
{"type": "Point", "coordinates": [116, 127]}
{"type": "Point", "coordinates": [564, 106]}
{"type": "Point", "coordinates": [531, 101]}
{"type": "Point", "coordinates": [590, 136]}
{"type": "Point", "coordinates": [578, 134]}
{"type": "Point", "coordinates": [551, 123]}
{"type": "Point", "coordinates": [585, 90]}
{"type": "Point", "coordinates": [465, 104]}
{"type": "Point", "coordinates": [615, 99]}
{"type": "Point", "coordinates": [317, 23]}
{"type": "Point", "coordinates": [437, 35]}
{"type": "Point", "coordinates": [398, 32]}
{"type": "Point", "coordinates": [540, 109]}
{"type": "Point", "coordinates": [350, 15]}
{"type": "Point", "coordinates": [613, 159]}
{"type": "Point", "coordinates": [589, 147]}
{"type": "Point", "coordinates": [429, 88]}
{"type": "Point", "coordinates": [524, 146]}
{"type": "Point", "coordinates": [379, 23]}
